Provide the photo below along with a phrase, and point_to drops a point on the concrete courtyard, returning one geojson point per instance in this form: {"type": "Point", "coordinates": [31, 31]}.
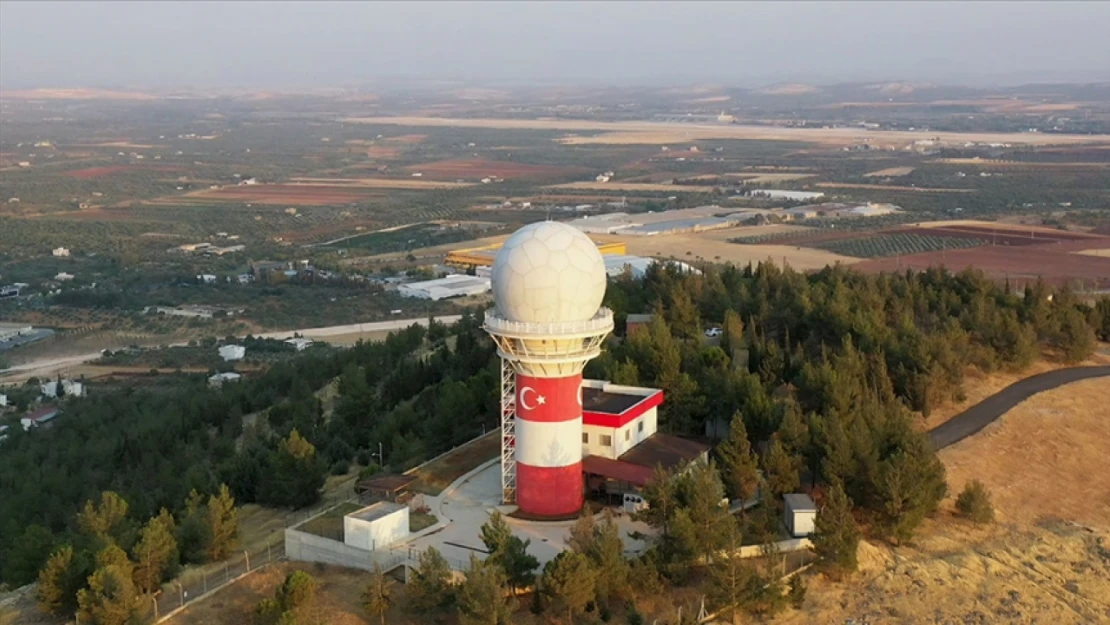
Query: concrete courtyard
{"type": "Point", "coordinates": [466, 505]}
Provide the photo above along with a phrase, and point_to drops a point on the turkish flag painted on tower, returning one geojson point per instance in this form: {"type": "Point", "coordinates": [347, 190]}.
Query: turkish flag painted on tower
{"type": "Point", "coordinates": [549, 399]}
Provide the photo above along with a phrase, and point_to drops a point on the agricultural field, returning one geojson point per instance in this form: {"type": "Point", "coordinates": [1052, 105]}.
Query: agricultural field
{"type": "Point", "coordinates": [628, 133]}
{"type": "Point", "coordinates": [477, 168]}
{"type": "Point", "coordinates": [895, 244]}
{"type": "Point", "coordinates": [124, 183]}
{"type": "Point", "coordinates": [633, 187]}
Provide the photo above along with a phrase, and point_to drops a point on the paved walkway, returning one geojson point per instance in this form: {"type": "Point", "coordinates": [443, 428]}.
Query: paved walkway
{"type": "Point", "coordinates": [985, 412]}
{"type": "Point", "coordinates": [467, 505]}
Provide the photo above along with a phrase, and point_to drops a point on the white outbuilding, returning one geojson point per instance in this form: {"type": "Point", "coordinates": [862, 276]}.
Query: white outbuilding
{"type": "Point", "coordinates": [801, 514]}
{"type": "Point", "coordinates": [232, 352]}
{"type": "Point", "coordinates": [376, 526]}
{"type": "Point", "coordinates": [222, 378]}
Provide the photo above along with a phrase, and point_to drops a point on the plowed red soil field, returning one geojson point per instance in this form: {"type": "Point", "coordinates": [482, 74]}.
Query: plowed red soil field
{"type": "Point", "coordinates": [1016, 262]}
{"type": "Point", "coordinates": [471, 168]}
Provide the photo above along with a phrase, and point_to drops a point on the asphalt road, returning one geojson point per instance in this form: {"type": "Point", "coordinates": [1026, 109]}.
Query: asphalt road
{"type": "Point", "coordinates": [49, 366]}
{"type": "Point", "coordinates": [982, 414]}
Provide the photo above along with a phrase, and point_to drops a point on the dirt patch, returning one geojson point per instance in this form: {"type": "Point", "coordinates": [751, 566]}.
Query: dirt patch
{"type": "Point", "coordinates": [338, 595]}
{"type": "Point", "coordinates": [713, 246]}
{"type": "Point", "coordinates": [1103, 253]}
{"type": "Point", "coordinates": [381, 151]}
{"type": "Point", "coordinates": [377, 183]}
{"type": "Point", "coordinates": [890, 172]}
{"type": "Point", "coordinates": [889, 187]}
{"type": "Point", "coordinates": [957, 573]}
{"type": "Point", "coordinates": [1044, 458]}
{"type": "Point", "coordinates": [480, 168]}
{"type": "Point", "coordinates": [634, 186]}
{"type": "Point", "coordinates": [407, 139]}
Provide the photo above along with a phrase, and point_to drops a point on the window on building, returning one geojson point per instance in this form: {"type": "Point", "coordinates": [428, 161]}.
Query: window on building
{"type": "Point", "coordinates": [640, 426]}
{"type": "Point", "coordinates": [586, 438]}
{"type": "Point", "coordinates": [606, 440]}
{"type": "Point", "coordinates": [627, 435]}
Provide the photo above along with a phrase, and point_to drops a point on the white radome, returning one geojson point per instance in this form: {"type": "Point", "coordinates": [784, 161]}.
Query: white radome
{"type": "Point", "coordinates": [548, 272]}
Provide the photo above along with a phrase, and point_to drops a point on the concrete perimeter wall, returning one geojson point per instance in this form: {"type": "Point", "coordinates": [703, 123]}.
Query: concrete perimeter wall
{"type": "Point", "coordinates": [782, 546]}
{"type": "Point", "coordinates": [305, 547]}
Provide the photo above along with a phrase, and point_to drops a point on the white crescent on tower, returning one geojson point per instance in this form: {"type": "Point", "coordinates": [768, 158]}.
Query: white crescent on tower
{"type": "Point", "coordinates": [524, 398]}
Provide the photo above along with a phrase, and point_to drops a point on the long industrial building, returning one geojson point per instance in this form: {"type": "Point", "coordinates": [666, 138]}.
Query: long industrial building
{"type": "Point", "coordinates": [483, 256]}
{"type": "Point", "coordinates": [457, 285]}
{"type": "Point", "coordinates": [665, 222]}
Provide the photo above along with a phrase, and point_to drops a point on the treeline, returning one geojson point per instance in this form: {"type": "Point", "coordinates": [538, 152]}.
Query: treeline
{"type": "Point", "coordinates": [110, 561]}
{"type": "Point", "coordinates": [822, 374]}
{"type": "Point", "coordinates": [419, 392]}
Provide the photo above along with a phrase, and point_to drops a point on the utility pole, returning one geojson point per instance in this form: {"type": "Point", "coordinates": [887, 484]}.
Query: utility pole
{"type": "Point", "coordinates": [381, 458]}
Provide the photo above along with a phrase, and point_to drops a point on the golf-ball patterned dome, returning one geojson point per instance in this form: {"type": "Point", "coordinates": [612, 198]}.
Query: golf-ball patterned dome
{"type": "Point", "coordinates": [548, 272]}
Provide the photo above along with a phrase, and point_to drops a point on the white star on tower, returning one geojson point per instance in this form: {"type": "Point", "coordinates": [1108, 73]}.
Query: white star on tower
{"type": "Point", "coordinates": [541, 400]}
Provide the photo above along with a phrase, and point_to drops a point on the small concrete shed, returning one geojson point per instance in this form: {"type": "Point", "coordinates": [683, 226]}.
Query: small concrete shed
{"type": "Point", "coordinates": [376, 526]}
{"type": "Point", "coordinates": [801, 514]}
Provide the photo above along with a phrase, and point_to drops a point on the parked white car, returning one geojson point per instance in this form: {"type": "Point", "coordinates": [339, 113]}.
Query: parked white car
{"type": "Point", "coordinates": [713, 332]}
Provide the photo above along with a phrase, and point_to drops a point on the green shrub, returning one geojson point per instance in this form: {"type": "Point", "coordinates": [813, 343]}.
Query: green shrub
{"type": "Point", "coordinates": [974, 503]}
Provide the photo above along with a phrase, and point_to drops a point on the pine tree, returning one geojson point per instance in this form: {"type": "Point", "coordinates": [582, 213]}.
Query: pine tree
{"type": "Point", "coordinates": [377, 598]}
{"type": "Point", "coordinates": [739, 470]}
{"type": "Point", "coordinates": [793, 430]}
{"type": "Point", "coordinates": [156, 553]}
{"type": "Point", "coordinates": [780, 469]}
{"type": "Point", "coordinates": [481, 598]}
{"type": "Point", "coordinates": [223, 524]}
{"type": "Point", "coordinates": [601, 543]}
{"type": "Point", "coordinates": [732, 580]}
{"type": "Point", "coordinates": [57, 591]}
{"type": "Point", "coordinates": [837, 536]}
{"type": "Point", "coordinates": [732, 333]}
{"type": "Point", "coordinates": [110, 599]}
{"type": "Point", "coordinates": [568, 581]}
{"type": "Point", "coordinates": [429, 591]}
{"type": "Point", "coordinates": [297, 475]}
{"type": "Point", "coordinates": [509, 552]}
{"type": "Point", "coordinates": [28, 554]}
{"type": "Point", "coordinates": [102, 518]}
{"type": "Point", "coordinates": [909, 485]}
{"type": "Point", "coordinates": [1075, 337]}
{"type": "Point", "coordinates": [703, 495]}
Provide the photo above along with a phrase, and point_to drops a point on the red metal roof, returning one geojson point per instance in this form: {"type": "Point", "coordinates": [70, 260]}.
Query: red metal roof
{"type": "Point", "coordinates": [45, 411]}
{"type": "Point", "coordinates": [617, 470]}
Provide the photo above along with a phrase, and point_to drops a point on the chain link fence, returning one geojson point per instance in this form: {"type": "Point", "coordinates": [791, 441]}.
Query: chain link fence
{"type": "Point", "coordinates": [196, 583]}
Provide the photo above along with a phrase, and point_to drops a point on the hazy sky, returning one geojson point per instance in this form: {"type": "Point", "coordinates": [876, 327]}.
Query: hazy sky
{"type": "Point", "coordinates": [288, 44]}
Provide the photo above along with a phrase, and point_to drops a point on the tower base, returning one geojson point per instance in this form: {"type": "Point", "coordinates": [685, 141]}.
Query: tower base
{"type": "Point", "coordinates": [549, 491]}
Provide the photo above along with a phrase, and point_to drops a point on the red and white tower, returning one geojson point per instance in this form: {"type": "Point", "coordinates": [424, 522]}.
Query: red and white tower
{"type": "Point", "coordinates": [548, 282]}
